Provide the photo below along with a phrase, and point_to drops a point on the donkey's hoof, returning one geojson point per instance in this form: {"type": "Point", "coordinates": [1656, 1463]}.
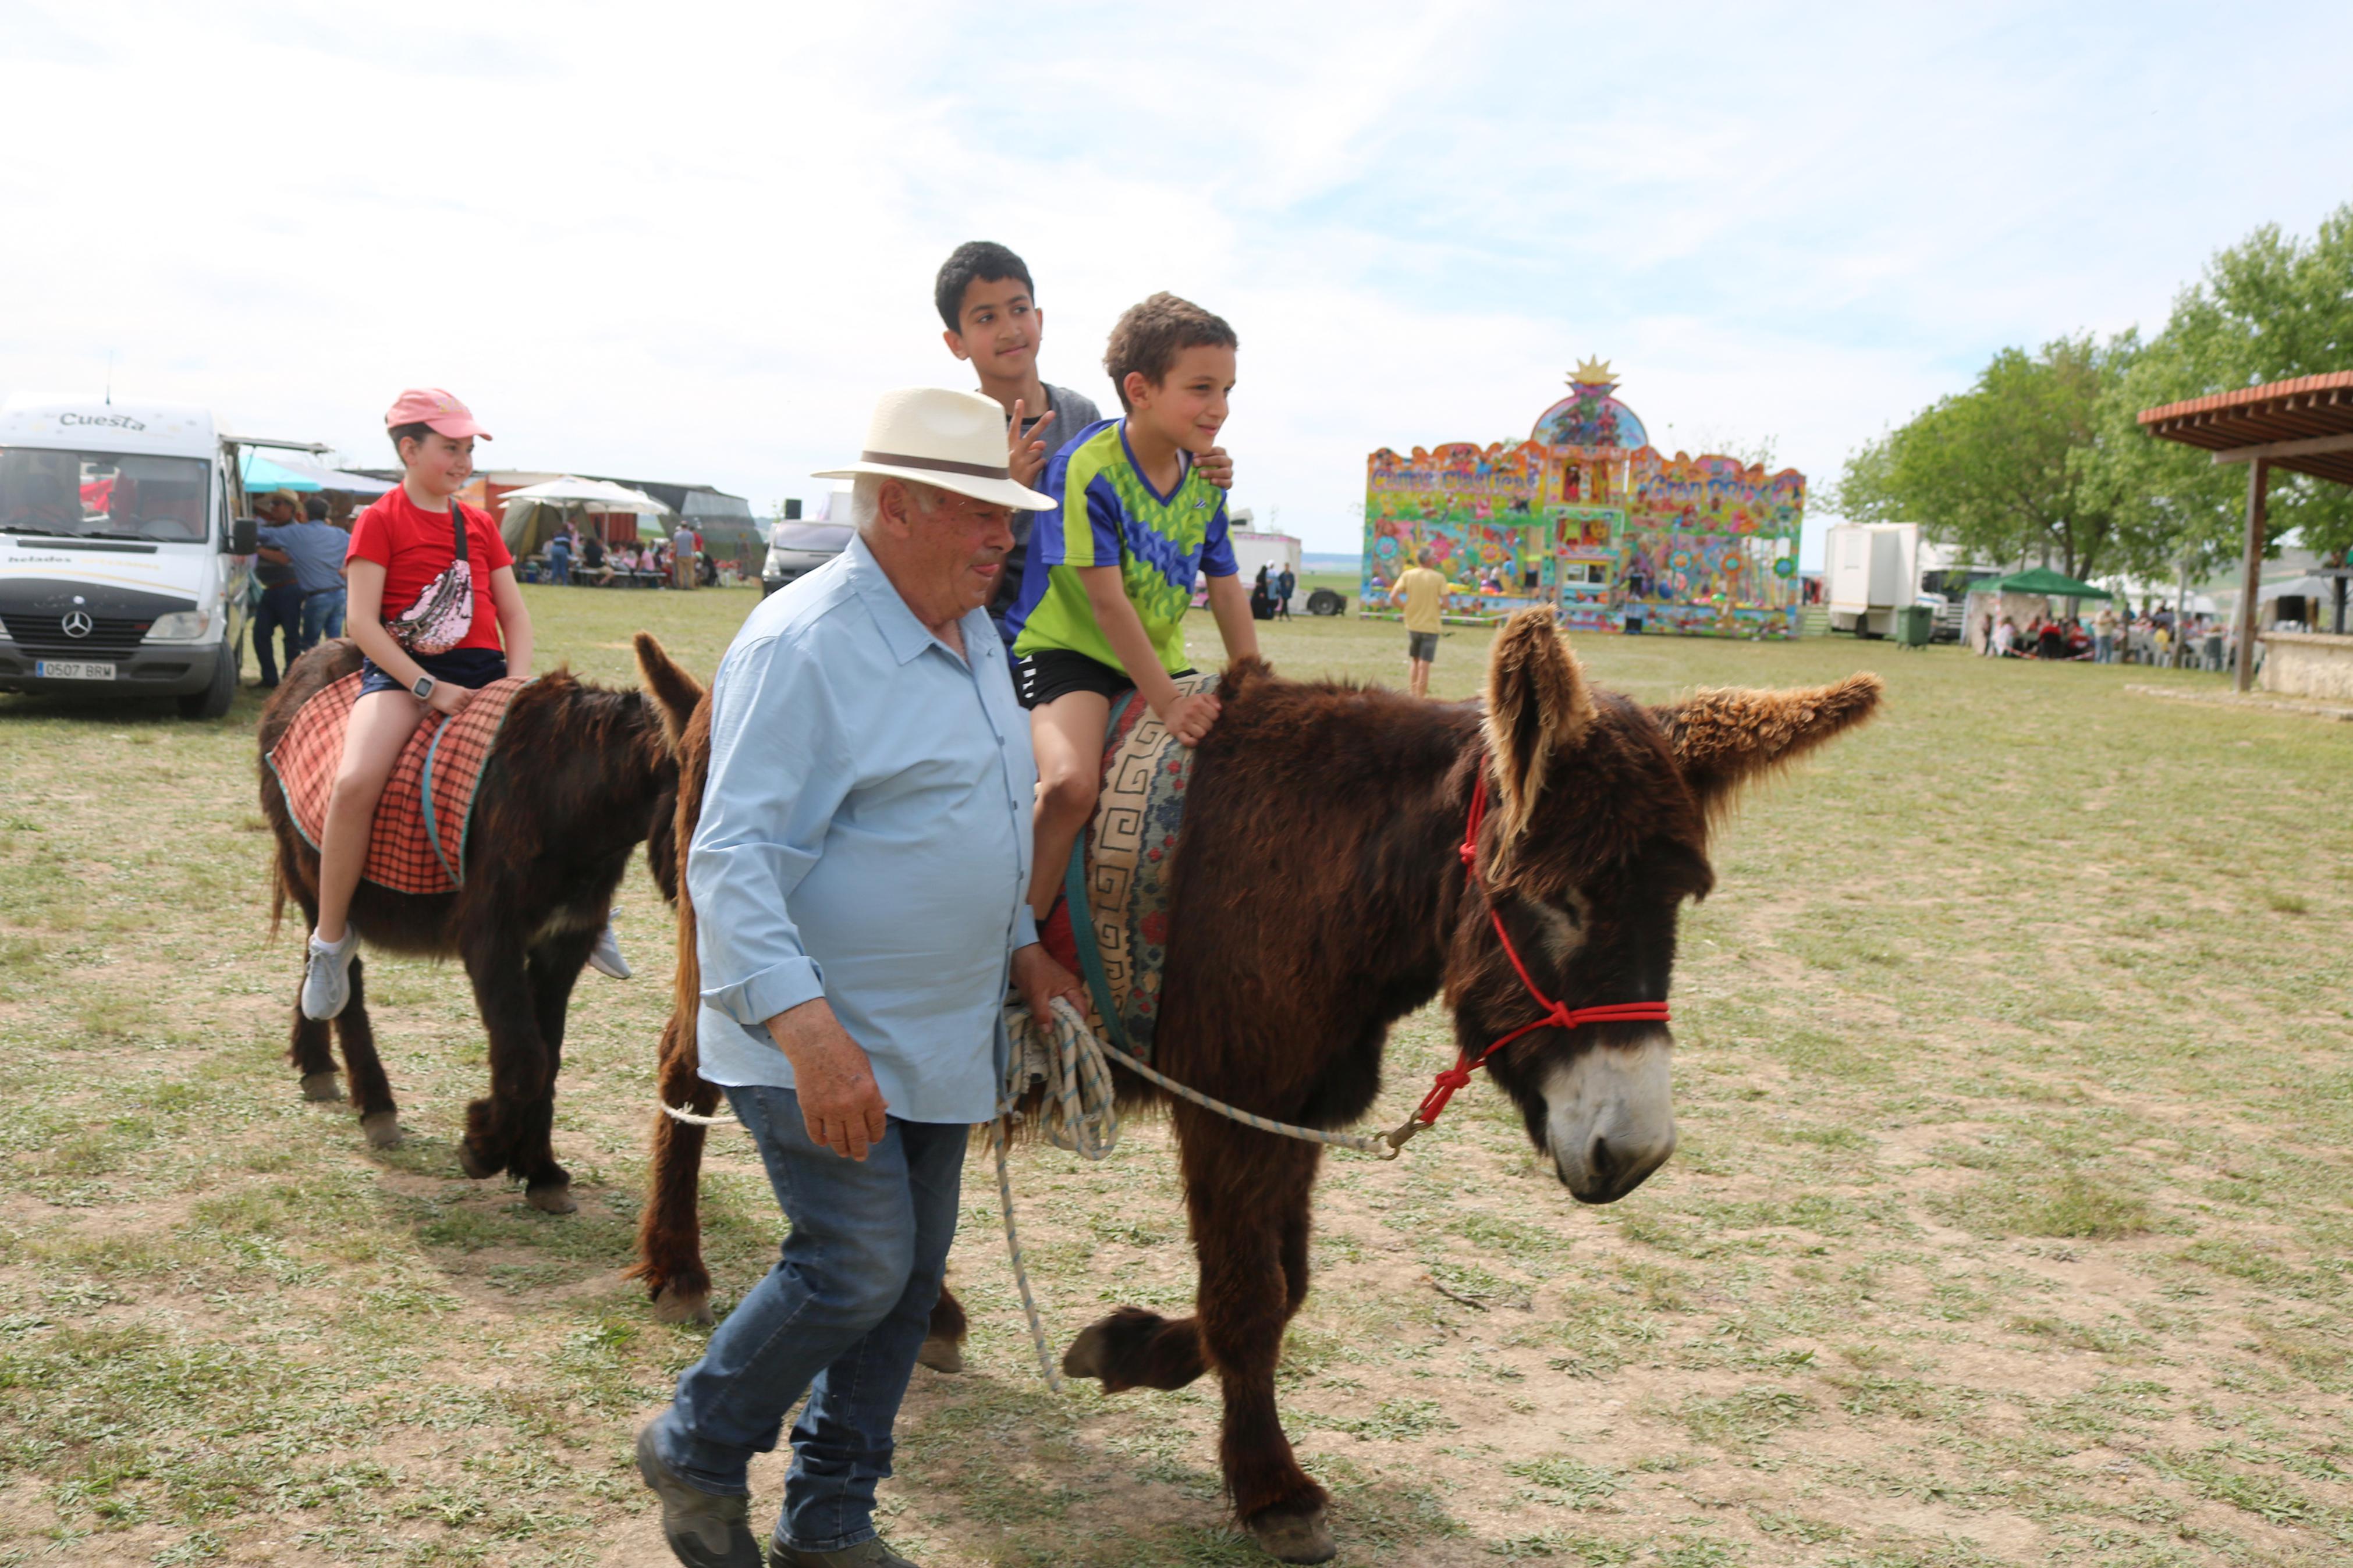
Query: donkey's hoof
{"type": "Point", "coordinates": [472, 1164]}
{"type": "Point", "coordinates": [1295, 1537]}
{"type": "Point", "coordinates": [672, 1305]}
{"type": "Point", "coordinates": [554, 1197]}
{"type": "Point", "coordinates": [1089, 1355]}
{"type": "Point", "coordinates": [323, 1086]}
{"type": "Point", "coordinates": [383, 1129]}
{"type": "Point", "coordinates": [941, 1354]}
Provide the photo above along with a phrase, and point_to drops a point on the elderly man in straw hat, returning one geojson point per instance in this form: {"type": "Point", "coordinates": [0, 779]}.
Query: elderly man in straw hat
{"type": "Point", "coordinates": [859, 875]}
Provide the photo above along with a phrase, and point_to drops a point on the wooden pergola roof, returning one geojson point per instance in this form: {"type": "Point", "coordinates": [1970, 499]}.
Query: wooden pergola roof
{"type": "Point", "coordinates": [2305, 424]}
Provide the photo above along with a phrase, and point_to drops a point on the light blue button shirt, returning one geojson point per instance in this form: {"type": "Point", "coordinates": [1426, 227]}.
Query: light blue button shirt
{"type": "Point", "coordinates": [865, 838]}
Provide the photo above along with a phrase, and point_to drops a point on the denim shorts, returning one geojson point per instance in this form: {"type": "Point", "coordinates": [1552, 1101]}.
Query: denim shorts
{"type": "Point", "coordinates": [470, 666]}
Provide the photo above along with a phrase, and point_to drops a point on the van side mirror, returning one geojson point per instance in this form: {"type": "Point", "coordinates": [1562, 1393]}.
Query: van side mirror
{"type": "Point", "coordinates": [244, 536]}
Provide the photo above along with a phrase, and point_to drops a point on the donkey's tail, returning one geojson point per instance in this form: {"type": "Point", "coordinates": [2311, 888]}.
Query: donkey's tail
{"type": "Point", "coordinates": [277, 902]}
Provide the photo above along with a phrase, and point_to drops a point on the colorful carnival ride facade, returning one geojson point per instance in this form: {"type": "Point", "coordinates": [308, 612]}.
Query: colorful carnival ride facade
{"type": "Point", "coordinates": [1585, 516]}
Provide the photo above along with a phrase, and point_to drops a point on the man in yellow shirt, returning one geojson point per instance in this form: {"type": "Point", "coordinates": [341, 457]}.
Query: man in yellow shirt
{"type": "Point", "coordinates": [1422, 592]}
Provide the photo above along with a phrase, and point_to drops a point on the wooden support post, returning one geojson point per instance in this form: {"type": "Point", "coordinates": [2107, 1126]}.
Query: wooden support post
{"type": "Point", "coordinates": [2250, 572]}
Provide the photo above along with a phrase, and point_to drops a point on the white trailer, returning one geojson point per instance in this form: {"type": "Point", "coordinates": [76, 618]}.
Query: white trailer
{"type": "Point", "coordinates": [1253, 549]}
{"type": "Point", "coordinates": [1870, 570]}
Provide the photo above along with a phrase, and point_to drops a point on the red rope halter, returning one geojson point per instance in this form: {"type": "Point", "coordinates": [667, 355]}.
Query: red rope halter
{"type": "Point", "coordinates": [1556, 1015]}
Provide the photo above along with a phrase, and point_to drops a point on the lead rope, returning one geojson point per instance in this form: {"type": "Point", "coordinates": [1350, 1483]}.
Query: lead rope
{"type": "Point", "coordinates": [1081, 1114]}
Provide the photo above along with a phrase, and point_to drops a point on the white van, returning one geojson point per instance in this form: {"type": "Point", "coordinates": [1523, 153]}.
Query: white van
{"type": "Point", "coordinates": [123, 561]}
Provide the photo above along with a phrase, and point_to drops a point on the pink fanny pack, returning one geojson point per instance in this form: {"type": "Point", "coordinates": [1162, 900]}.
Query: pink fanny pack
{"type": "Point", "coordinates": [444, 613]}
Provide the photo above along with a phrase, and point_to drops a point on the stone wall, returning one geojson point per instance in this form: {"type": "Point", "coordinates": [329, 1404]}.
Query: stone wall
{"type": "Point", "coordinates": [2307, 664]}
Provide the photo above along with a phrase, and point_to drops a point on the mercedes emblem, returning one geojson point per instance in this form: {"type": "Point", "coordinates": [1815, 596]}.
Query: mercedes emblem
{"type": "Point", "coordinates": [77, 624]}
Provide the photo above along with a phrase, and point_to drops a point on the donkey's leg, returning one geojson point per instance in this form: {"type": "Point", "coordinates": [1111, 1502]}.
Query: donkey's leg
{"type": "Point", "coordinates": [498, 1127]}
{"type": "Point", "coordinates": [669, 1228]}
{"type": "Point", "coordinates": [307, 1047]}
{"type": "Point", "coordinates": [943, 1347]}
{"type": "Point", "coordinates": [1135, 1348]}
{"type": "Point", "coordinates": [371, 1091]}
{"type": "Point", "coordinates": [553, 968]}
{"type": "Point", "coordinates": [1248, 1195]}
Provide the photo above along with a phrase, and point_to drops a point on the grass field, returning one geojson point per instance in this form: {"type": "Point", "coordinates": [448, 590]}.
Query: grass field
{"type": "Point", "coordinates": [2010, 1223]}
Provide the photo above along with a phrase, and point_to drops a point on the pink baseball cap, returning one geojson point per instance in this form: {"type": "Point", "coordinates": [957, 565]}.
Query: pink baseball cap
{"type": "Point", "coordinates": [432, 406]}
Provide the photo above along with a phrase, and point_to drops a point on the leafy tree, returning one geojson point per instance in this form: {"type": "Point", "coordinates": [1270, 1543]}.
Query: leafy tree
{"type": "Point", "coordinates": [2010, 468]}
{"type": "Point", "coordinates": [2270, 309]}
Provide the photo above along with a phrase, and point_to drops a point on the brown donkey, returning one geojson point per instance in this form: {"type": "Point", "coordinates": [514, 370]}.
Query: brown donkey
{"type": "Point", "coordinates": [1320, 894]}
{"type": "Point", "coordinates": [577, 779]}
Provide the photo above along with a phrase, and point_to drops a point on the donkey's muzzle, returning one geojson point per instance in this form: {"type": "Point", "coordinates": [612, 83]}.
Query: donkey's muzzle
{"type": "Point", "coordinates": [1610, 1118]}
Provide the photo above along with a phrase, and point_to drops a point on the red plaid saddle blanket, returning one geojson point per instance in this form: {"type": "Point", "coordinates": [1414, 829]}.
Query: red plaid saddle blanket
{"type": "Point", "coordinates": [419, 842]}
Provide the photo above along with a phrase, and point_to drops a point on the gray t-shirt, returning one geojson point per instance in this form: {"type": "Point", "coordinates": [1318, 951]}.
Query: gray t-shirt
{"type": "Point", "coordinates": [1072, 412]}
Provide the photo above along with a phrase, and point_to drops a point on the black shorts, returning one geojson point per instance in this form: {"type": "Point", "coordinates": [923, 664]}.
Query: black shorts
{"type": "Point", "coordinates": [1040, 678]}
{"type": "Point", "coordinates": [473, 667]}
{"type": "Point", "coordinates": [1421, 646]}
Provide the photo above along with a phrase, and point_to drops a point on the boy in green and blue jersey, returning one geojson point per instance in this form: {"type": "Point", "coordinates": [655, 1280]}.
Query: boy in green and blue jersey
{"type": "Point", "coordinates": [1111, 574]}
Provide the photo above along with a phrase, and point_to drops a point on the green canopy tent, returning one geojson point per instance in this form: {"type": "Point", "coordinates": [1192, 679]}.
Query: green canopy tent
{"type": "Point", "coordinates": [2041, 580]}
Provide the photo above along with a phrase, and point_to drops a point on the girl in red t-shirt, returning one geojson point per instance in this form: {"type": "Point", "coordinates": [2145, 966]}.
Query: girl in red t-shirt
{"type": "Point", "coordinates": [433, 604]}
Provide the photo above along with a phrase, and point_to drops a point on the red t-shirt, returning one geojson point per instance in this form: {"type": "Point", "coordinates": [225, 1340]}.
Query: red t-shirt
{"type": "Point", "coordinates": [414, 546]}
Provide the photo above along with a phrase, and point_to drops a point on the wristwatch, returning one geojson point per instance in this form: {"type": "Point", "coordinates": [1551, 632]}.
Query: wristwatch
{"type": "Point", "coordinates": [424, 687]}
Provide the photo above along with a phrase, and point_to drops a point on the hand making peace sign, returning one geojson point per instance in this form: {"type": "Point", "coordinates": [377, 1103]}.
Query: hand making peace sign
{"type": "Point", "coordinates": [1025, 458]}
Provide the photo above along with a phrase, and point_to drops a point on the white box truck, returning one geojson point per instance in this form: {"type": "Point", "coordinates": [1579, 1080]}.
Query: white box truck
{"type": "Point", "coordinates": [1870, 570]}
{"type": "Point", "coordinates": [123, 559]}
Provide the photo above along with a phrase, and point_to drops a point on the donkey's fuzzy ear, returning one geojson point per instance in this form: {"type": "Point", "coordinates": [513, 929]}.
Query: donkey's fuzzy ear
{"type": "Point", "coordinates": [675, 691]}
{"type": "Point", "coordinates": [1727, 737]}
{"type": "Point", "coordinates": [1536, 705]}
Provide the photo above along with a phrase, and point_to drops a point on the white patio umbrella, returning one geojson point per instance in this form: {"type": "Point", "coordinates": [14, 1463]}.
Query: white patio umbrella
{"type": "Point", "coordinates": [595, 495]}
{"type": "Point", "coordinates": [524, 531]}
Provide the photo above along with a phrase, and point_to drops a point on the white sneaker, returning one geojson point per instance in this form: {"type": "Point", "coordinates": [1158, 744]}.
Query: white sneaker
{"type": "Point", "coordinates": [327, 981]}
{"type": "Point", "coordinates": [606, 958]}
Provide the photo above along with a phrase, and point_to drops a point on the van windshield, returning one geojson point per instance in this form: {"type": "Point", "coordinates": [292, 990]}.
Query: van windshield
{"type": "Point", "coordinates": [811, 536]}
{"type": "Point", "coordinates": [101, 495]}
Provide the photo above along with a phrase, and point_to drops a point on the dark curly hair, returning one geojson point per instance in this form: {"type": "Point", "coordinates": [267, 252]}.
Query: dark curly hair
{"type": "Point", "coordinates": [1151, 335]}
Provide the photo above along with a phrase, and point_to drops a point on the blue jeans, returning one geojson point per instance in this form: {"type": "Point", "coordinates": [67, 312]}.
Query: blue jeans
{"type": "Point", "coordinates": [2104, 649]}
{"type": "Point", "coordinates": [559, 567]}
{"type": "Point", "coordinates": [322, 616]}
{"type": "Point", "coordinates": [840, 1316]}
{"type": "Point", "coordinates": [278, 617]}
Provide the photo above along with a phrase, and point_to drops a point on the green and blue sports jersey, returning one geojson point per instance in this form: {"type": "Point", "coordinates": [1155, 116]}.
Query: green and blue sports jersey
{"type": "Point", "coordinates": [1108, 514]}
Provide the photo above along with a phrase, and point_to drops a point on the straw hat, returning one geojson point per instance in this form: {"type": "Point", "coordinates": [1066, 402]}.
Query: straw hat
{"type": "Point", "coordinates": [954, 440]}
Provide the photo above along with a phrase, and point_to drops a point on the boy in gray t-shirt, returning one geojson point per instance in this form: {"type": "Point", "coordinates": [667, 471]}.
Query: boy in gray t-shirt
{"type": "Point", "coordinates": [985, 300]}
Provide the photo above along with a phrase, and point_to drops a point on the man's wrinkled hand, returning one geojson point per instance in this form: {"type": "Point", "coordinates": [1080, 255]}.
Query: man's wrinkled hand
{"type": "Point", "coordinates": [1040, 979]}
{"type": "Point", "coordinates": [841, 1104]}
{"type": "Point", "coordinates": [1217, 466]}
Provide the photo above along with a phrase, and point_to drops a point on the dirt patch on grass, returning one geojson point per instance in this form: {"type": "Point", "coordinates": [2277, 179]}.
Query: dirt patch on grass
{"type": "Point", "coordinates": [1979, 1246]}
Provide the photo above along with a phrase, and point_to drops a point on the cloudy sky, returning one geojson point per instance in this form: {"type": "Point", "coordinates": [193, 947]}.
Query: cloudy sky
{"type": "Point", "coordinates": [691, 242]}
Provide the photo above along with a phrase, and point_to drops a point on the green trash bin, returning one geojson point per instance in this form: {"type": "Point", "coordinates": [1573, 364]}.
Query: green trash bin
{"type": "Point", "coordinates": [1914, 625]}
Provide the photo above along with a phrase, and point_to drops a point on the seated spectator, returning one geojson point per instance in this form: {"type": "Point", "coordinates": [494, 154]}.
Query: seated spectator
{"type": "Point", "coordinates": [2004, 639]}
{"type": "Point", "coordinates": [596, 566]}
{"type": "Point", "coordinates": [2050, 642]}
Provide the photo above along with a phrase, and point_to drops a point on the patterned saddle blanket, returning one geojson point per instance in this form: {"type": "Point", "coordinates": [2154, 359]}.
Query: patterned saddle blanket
{"type": "Point", "coordinates": [419, 842]}
{"type": "Point", "coordinates": [1118, 889]}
